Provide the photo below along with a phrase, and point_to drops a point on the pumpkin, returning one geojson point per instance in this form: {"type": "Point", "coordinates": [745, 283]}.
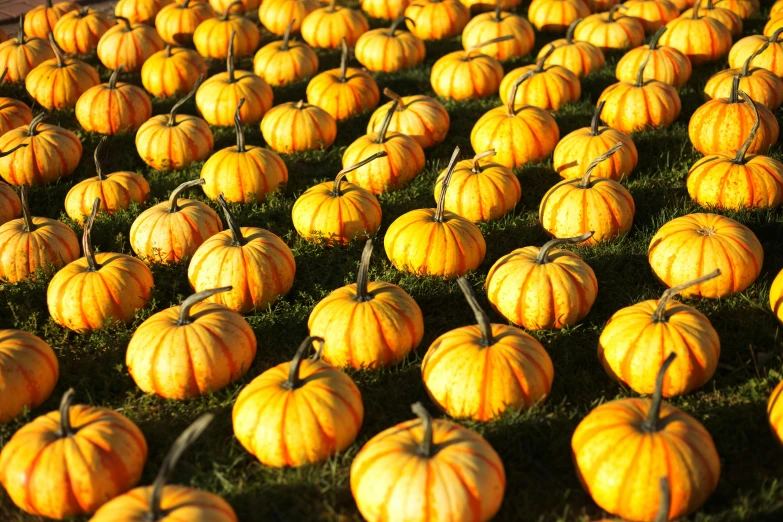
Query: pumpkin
{"type": "Point", "coordinates": [548, 88]}
{"type": "Point", "coordinates": [575, 151]}
{"type": "Point", "coordinates": [165, 503]}
{"type": "Point", "coordinates": [631, 107]}
{"type": "Point", "coordinates": [129, 44]}
{"type": "Point", "coordinates": [690, 246]}
{"type": "Point", "coordinates": [285, 62]}
{"type": "Point", "coordinates": [57, 84]}
{"type": "Point", "coordinates": [722, 125]}
{"type": "Point", "coordinates": [465, 75]}
{"type": "Point", "coordinates": [775, 412]}
{"type": "Point", "coordinates": [167, 142]}
{"type": "Point", "coordinates": [28, 372]}
{"type": "Point", "coordinates": [88, 293]}
{"type": "Point", "coordinates": [480, 192]}
{"type": "Point", "coordinates": [581, 58]}
{"type": "Point", "coordinates": [212, 35]}
{"type": "Point", "coordinates": [21, 55]}
{"type": "Point", "coordinates": [389, 50]}
{"type": "Point", "coordinates": [555, 16]}
{"type": "Point", "coordinates": [53, 153]}
{"type": "Point", "coordinates": [116, 191]}
{"type": "Point", "coordinates": [776, 9]}
{"type": "Point", "coordinates": [219, 95]}
{"type": "Point", "coordinates": [638, 338]}
{"type": "Point", "coordinates": [742, 8]}
{"type": "Point", "coordinates": [140, 11]}
{"type": "Point", "coordinates": [239, 6]}
{"type": "Point", "coordinates": [385, 9]}
{"type": "Point", "coordinates": [78, 31]}
{"type": "Point", "coordinates": [770, 59]}
{"type": "Point", "coordinates": [701, 38]}
{"type": "Point", "coordinates": [773, 25]}
{"type": "Point", "coordinates": [500, 129]}
{"type": "Point", "coordinates": [436, 19]}
{"type": "Point", "coordinates": [177, 22]}
{"type": "Point", "coordinates": [610, 31]}
{"type": "Point", "coordinates": [41, 19]}
{"type": "Point", "coordinates": [776, 296]}
{"type": "Point", "coordinates": [172, 230]}
{"type": "Point", "coordinates": [724, 16]}
{"type": "Point", "coordinates": [10, 204]}
{"type": "Point", "coordinates": [415, 464]}
{"type": "Point", "coordinates": [311, 410]}
{"type": "Point", "coordinates": [113, 108]}
{"type": "Point", "coordinates": [488, 26]}
{"type": "Point", "coordinates": [579, 205]}
{"type": "Point", "coordinates": [422, 118]}
{"type": "Point", "coordinates": [629, 444]}
{"type": "Point", "coordinates": [297, 127]}
{"type": "Point", "coordinates": [367, 325]}
{"type": "Point", "coordinates": [3, 36]}
{"type": "Point", "coordinates": [32, 243]}
{"type": "Point", "coordinates": [434, 241]}
{"type": "Point", "coordinates": [172, 71]}
{"type": "Point", "coordinates": [653, 14]}
{"type": "Point", "coordinates": [326, 27]}
{"type": "Point", "coordinates": [13, 113]}
{"type": "Point", "coordinates": [600, 6]}
{"type": "Point", "coordinates": [403, 161]}
{"type": "Point", "coordinates": [338, 212]}
{"type": "Point", "coordinates": [277, 15]}
{"type": "Point", "coordinates": [343, 92]}
{"type": "Point", "coordinates": [667, 64]}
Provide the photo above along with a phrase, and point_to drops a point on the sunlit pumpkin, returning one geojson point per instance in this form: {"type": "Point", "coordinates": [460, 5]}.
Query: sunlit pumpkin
{"type": "Point", "coordinates": [611, 31]}
{"type": "Point", "coordinates": [285, 62]}
{"type": "Point", "coordinates": [41, 19]}
{"type": "Point", "coordinates": [21, 55]}
{"type": "Point", "coordinates": [389, 50]}
{"type": "Point", "coordinates": [436, 19]}
{"type": "Point", "coordinates": [775, 410]}
{"type": "Point", "coordinates": [464, 75]}
{"type": "Point", "coordinates": [298, 126]}
{"type": "Point", "coordinates": [581, 58]}
{"type": "Point", "coordinates": [555, 16]}
{"type": "Point", "coordinates": [776, 9]}
{"type": "Point", "coordinates": [13, 113]}
{"type": "Point", "coordinates": [177, 22]}
{"type": "Point", "coordinates": [724, 16]}
{"type": "Point", "coordinates": [488, 26]}
{"type": "Point", "coordinates": [742, 8]}
{"type": "Point", "coordinates": [56, 84]}
{"type": "Point", "coordinates": [385, 9]}
{"type": "Point", "coordinates": [212, 36]}
{"type": "Point", "coordinates": [667, 64]}
{"type": "Point", "coordinates": [28, 372]}
{"type": "Point", "coordinates": [770, 59]}
{"type": "Point", "coordinates": [174, 71]}
{"type": "Point", "coordinates": [129, 44]}
{"type": "Point", "coordinates": [78, 32]}
{"type": "Point", "coordinates": [113, 108]}
{"type": "Point", "coordinates": [701, 38]}
{"type": "Point", "coordinates": [140, 11]}
{"type": "Point", "coordinates": [653, 14]}
{"type": "Point", "coordinates": [326, 27]}
{"type": "Point", "coordinates": [422, 118]}
{"type": "Point", "coordinates": [773, 25]}
{"type": "Point", "coordinates": [546, 87]}
{"type": "Point", "coordinates": [277, 15]}
{"type": "Point", "coordinates": [10, 204]}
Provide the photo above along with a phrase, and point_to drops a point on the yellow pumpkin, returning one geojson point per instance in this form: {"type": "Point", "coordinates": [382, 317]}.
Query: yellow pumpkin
{"type": "Point", "coordinates": [212, 36]}
{"type": "Point", "coordinates": [41, 19]}
{"type": "Point", "coordinates": [773, 25]}
{"type": "Point", "coordinates": [129, 44]}
{"type": "Point", "coordinates": [367, 325]}
{"type": "Point", "coordinates": [488, 26]}
{"type": "Point", "coordinates": [465, 75]}
{"type": "Point", "coordinates": [177, 22]}
{"type": "Point", "coordinates": [666, 65]}
{"type": "Point", "coordinates": [776, 9]}
{"type": "Point", "coordinates": [549, 88]}
{"type": "Point", "coordinates": [56, 84]}
{"type": "Point", "coordinates": [576, 206]}
{"type": "Point", "coordinates": [277, 15]}
{"type": "Point", "coordinates": [742, 8]}
{"type": "Point", "coordinates": [28, 372]}
{"type": "Point", "coordinates": [238, 6]}
{"type": "Point", "coordinates": [581, 58]}
{"type": "Point", "coordinates": [285, 62]}
{"type": "Point", "coordinates": [771, 59]}
{"type": "Point", "coordinates": [13, 113]}
{"type": "Point", "coordinates": [21, 55]}
{"type": "Point", "coordinates": [389, 50]}
{"type": "Point", "coordinates": [724, 16]}
{"type": "Point", "coordinates": [113, 108]}
{"type": "Point", "coordinates": [422, 118]}
{"type": "Point", "coordinates": [10, 204]}
{"type": "Point", "coordinates": [172, 230]}
{"type": "Point", "coordinates": [610, 31]}
{"type": "Point", "coordinates": [775, 412]}
{"type": "Point", "coordinates": [140, 11]}
{"type": "Point", "coordinates": [436, 19]}
{"type": "Point", "coordinates": [78, 32]}
{"type": "Point", "coordinates": [690, 246]}
{"type": "Point", "coordinates": [172, 71]}
{"type": "Point", "coordinates": [385, 9]}
{"type": "Point", "coordinates": [701, 38]}
{"type": "Point", "coordinates": [327, 27]}
{"type": "Point", "coordinates": [298, 126]}
{"type": "Point", "coordinates": [482, 6]}
{"type": "Point", "coordinates": [555, 16]}
{"type": "Point", "coordinates": [338, 212]}
{"type": "Point", "coordinates": [653, 14]}
{"type": "Point", "coordinates": [311, 410]}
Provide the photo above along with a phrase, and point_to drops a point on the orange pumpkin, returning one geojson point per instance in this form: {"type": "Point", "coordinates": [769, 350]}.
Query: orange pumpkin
{"type": "Point", "coordinates": [653, 14]}
{"type": "Point", "coordinates": [78, 32]}
{"type": "Point", "coordinates": [701, 38]}
{"type": "Point", "coordinates": [211, 37]}
{"type": "Point", "coordinates": [436, 19]}
{"type": "Point", "coordinates": [610, 31]}
{"type": "Point", "coordinates": [172, 230]}
{"type": "Point", "coordinates": [775, 412]}
{"type": "Point", "coordinates": [389, 50]}
{"type": "Point", "coordinates": [172, 71]}
{"type": "Point", "coordinates": [742, 8]}
{"type": "Point", "coordinates": [482, 6]}
{"type": "Point", "coordinates": [113, 108]}
{"type": "Point", "coordinates": [28, 372]}
{"type": "Point", "coordinates": [422, 118]}
{"type": "Point", "coordinates": [238, 6]}
{"type": "Point", "coordinates": [129, 44]}
{"type": "Point", "coordinates": [338, 212]}
{"type": "Point", "coordinates": [311, 410]}
{"type": "Point", "coordinates": [41, 19]}
{"type": "Point", "coordinates": [667, 64]}
{"type": "Point", "coordinates": [140, 11]}
{"type": "Point", "coordinates": [10, 204]}
{"type": "Point", "coordinates": [600, 6]}
{"type": "Point", "coordinates": [465, 75]}
{"type": "Point", "coordinates": [488, 26]}
{"type": "Point", "coordinates": [773, 25]}
{"type": "Point", "coordinates": [770, 59]}
{"type": "Point", "coordinates": [277, 15]}
{"type": "Point", "coordinates": [555, 16]}
{"type": "Point", "coordinates": [548, 88]}
{"type": "Point", "coordinates": [73, 461]}
{"type": "Point", "coordinates": [776, 9]}
{"type": "Point", "coordinates": [385, 9]}
{"type": "Point", "coordinates": [724, 16]}
{"type": "Point", "coordinates": [177, 22]}
{"type": "Point", "coordinates": [690, 246]}
{"type": "Point", "coordinates": [13, 113]}
{"type": "Point", "coordinates": [297, 126]}
{"type": "Point", "coordinates": [57, 83]}
{"type": "Point", "coordinates": [581, 58]}
{"type": "Point", "coordinates": [285, 62]}
{"type": "Point", "coordinates": [326, 27]}
{"type": "Point", "coordinates": [21, 55]}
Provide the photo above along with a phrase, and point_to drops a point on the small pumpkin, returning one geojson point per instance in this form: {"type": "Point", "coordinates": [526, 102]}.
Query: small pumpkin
{"type": "Point", "coordinates": [298, 126]}
{"type": "Point", "coordinates": [667, 64]}
{"type": "Point", "coordinates": [775, 412]}
{"type": "Point", "coordinates": [653, 14]}
{"type": "Point", "coordinates": [285, 62]}
{"type": "Point", "coordinates": [776, 296]}
{"type": "Point", "coordinates": [776, 9]}
{"type": "Point", "coordinates": [13, 113]}
{"type": "Point", "coordinates": [236, 6]}
{"type": "Point", "coordinates": [611, 31]}
{"type": "Point", "coordinates": [32, 243]}
{"type": "Point", "coordinates": [629, 444]}
{"type": "Point", "coordinates": [436, 19]}
{"type": "Point", "coordinates": [465, 75]}
{"type": "Point", "coordinates": [21, 55]}
{"type": "Point", "coordinates": [773, 25]}
{"type": "Point", "coordinates": [600, 6]}
{"type": "Point", "coordinates": [41, 19]}
{"type": "Point", "coordinates": [10, 204]}
{"type": "Point", "coordinates": [311, 410]}
{"type": "Point", "coordinates": [177, 22]}
{"type": "Point", "coordinates": [742, 8]}
{"type": "Point", "coordinates": [480, 192]}
{"type": "Point", "coordinates": [701, 38]}
{"type": "Point", "coordinates": [327, 26]}
{"type": "Point", "coordinates": [211, 37]}
{"type": "Point", "coordinates": [418, 462]}
{"type": "Point", "coordinates": [389, 50]}
{"type": "Point", "coordinates": [690, 246]}
{"type": "Point", "coordinates": [277, 15]}
{"type": "Point", "coordinates": [113, 108]}
{"type": "Point", "coordinates": [338, 212]}
{"type": "Point", "coordinates": [724, 16]}
{"type": "Point", "coordinates": [367, 325]}
{"type": "Point", "coordinates": [433, 241]}
{"type": "Point", "coordinates": [57, 84]}
{"type": "Point", "coordinates": [581, 58]}
{"type": "Point", "coordinates": [385, 9]}
{"type": "Point", "coordinates": [576, 206]}
{"type": "Point", "coordinates": [481, 6]}
{"type": "Point", "coordinates": [422, 118]}
{"type": "Point", "coordinates": [116, 191]}
{"type": "Point", "coordinates": [172, 230]}
{"type": "Point", "coordinates": [28, 372]}
{"type": "Point", "coordinates": [140, 11]}
{"type": "Point", "coordinates": [41, 476]}
{"type": "Point", "coordinates": [78, 32]}
{"type": "Point", "coordinates": [343, 92]}
{"type": "Point", "coordinates": [549, 88]}
{"type": "Point", "coordinates": [771, 59]}
{"type": "Point", "coordinates": [555, 16]}
{"type": "Point", "coordinates": [488, 26]}
{"type": "Point", "coordinates": [174, 71]}
{"type": "Point", "coordinates": [129, 44]}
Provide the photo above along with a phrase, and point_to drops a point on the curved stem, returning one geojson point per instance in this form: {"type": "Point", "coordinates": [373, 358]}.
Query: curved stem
{"type": "Point", "coordinates": [293, 381]}
{"type": "Point", "coordinates": [340, 175]}
{"type": "Point", "coordinates": [287, 35]}
{"type": "Point", "coordinates": [585, 181]}
{"type": "Point", "coordinates": [20, 146]}
{"type": "Point", "coordinates": [666, 501]}
{"type": "Point", "coordinates": [613, 10]}
{"type": "Point", "coordinates": [98, 169]}
{"type": "Point", "coordinates": [481, 316]}
{"type": "Point", "coordinates": [89, 253]}
{"type": "Point", "coordinates": [739, 159]}
{"type": "Point", "coordinates": [640, 73]}
{"type": "Point", "coordinates": [236, 232]}
{"type": "Point", "coordinates": [32, 129]}
{"type": "Point", "coordinates": [709, 5]}
{"type": "Point", "coordinates": [185, 4]}
{"type": "Point", "coordinates": [695, 14]}
{"type": "Point", "coordinates": [20, 34]}
{"type": "Point", "coordinates": [650, 424]}
{"type": "Point", "coordinates": [543, 255]}
{"type": "Point", "coordinates": [394, 96]}
{"type": "Point", "coordinates": [114, 75]}
{"type": "Point", "coordinates": [396, 23]}
{"type": "Point", "coordinates": [542, 61]}
{"type": "Point", "coordinates": [168, 50]}
{"type": "Point", "coordinates": [332, 6]}
{"type": "Point", "coordinates": [653, 45]}
{"type": "Point", "coordinates": [659, 315]}
{"type": "Point", "coordinates": [498, 5]}
{"type": "Point", "coordinates": [776, 35]}
{"type": "Point", "coordinates": [570, 33]}
{"type": "Point", "coordinates": [364, 268]}
{"type": "Point", "coordinates": [477, 168]}
{"type": "Point", "coordinates": [227, 10]}
{"type": "Point", "coordinates": [425, 446]}
{"type": "Point", "coordinates": [238, 127]}
{"type": "Point", "coordinates": [57, 51]}
{"type": "Point", "coordinates": [230, 58]}
{"type": "Point", "coordinates": [381, 137]}
{"type": "Point", "coordinates": [24, 193]}
{"type": "Point", "coordinates": [3, 76]}
{"type": "Point", "coordinates": [173, 112]}
{"type": "Point", "coordinates": [446, 181]}
{"type": "Point", "coordinates": [184, 309]}
{"type": "Point", "coordinates": [343, 58]}
{"type": "Point", "coordinates": [319, 352]}
{"type": "Point", "coordinates": [84, 11]}
{"type": "Point", "coordinates": [174, 197]}
{"type": "Point", "coordinates": [66, 430]}
{"type": "Point", "coordinates": [494, 41]}
{"type": "Point", "coordinates": [510, 104]}
{"type": "Point", "coordinates": [746, 66]}
{"type": "Point", "coordinates": [125, 21]}
{"type": "Point", "coordinates": [734, 96]}
{"type": "Point", "coordinates": [596, 121]}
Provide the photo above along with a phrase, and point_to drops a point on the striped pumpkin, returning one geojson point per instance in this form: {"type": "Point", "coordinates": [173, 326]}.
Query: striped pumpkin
{"type": "Point", "coordinates": [298, 127]}
{"type": "Point", "coordinates": [667, 64]}
{"type": "Point", "coordinates": [174, 71]}
{"type": "Point", "coordinates": [10, 204]}
{"type": "Point", "coordinates": [114, 107]}
{"type": "Point", "coordinates": [285, 62]}
{"type": "Point", "coordinates": [389, 50]}
{"type": "Point", "coordinates": [436, 19]}
{"type": "Point", "coordinates": [129, 44]}
{"type": "Point", "coordinates": [28, 372]}
{"type": "Point", "coordinates": [775, 412]}
{"type": "Point", "coordinates": [212, 36]}
{"type": "Point", "coordinates": [277, 15]}
{"type": "Point", "coordinates": [770, 58]}
{"type": "Point", "coordinates": [21, 55]}
{"type": "Point", "coordinates": [581, 58]}
{"type": "Point", "coordinates": [488, 26]}
{"type": "Point", "coordinates": [177, 22]}
{"type": "Point", "coordinates": [41, 19]}
{"type": "Point", "coordinates": [555, 16]}
{"type": "Point", "coordinates": [78, 32]}
{"type": "Point", "coordinates": [701, 38]}
{"type": "Point", "coordinates": [58, 83]}
{"type": "Point", "coordinates": [546, 87]}
{"type": "Point", "coordinates": [422, 118]}
{"type": "Point", "coordinates": [13, 113]}
{"type": "Point", "coordinates": [140, 11]}
{"type": "Point", "coordinates": [327, 26]}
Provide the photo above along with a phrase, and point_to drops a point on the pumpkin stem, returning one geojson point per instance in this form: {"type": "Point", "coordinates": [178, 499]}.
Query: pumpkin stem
{"type": "Point", "coordinates": [168, 50]}
{"type": "Point", "coordinates": [230, 58]}
{"type": "Point", "coordinates": [394, 96]}
{"type": "Point", "coordinates": [695, 14]}
{"type": "Point", "coordinates": [173, 112]}
{"type": "Point", "coordinates": [650, 424]}
{"type": "Point", "coordinates": [477, 168]}
{"type": "Point", "coordinates": [183, 442]}
{"type": "Point", "coordinates": [776, 35]}
{"type": "Point", "coordinates": [585, 181]}
{"type": "Point", "coordinates": [498, 11]}
{"type": "Point", "coordinates": [425, 446]}
{"type": "Point", "coordinates": [666, 501]}
{"type": "Point", "coordinates": [228, 8]}
{"type": "Point", "coordinates": [66, 430]}
{"type": "Point", "coordinates": [709, 5]}
{"type": "Point", "coordinates": [32, 129]}
{"type": "Point", "coordinates": [734, 96]}
{"type": "Point", "coordinates": [494, 41]}
{"type": "Point", "coordinates": [653, 45]}
{"type": "Point", "coordinates": [510, 104]}
{"type": "Point", "coordinates": [381, 138]}
{"type": "Point", "coordinates": [338, 181]}
{"type": "Point", "coordinates": [185, 4]}
{"type": "Point", "coordinates": [343, 59]}
{"type": "Point", "coordinates": [746, 66]}
{"type": "Point", "coordinates": [3, 76]}
{"type": "Point", "coordinates": [20, 146]}
{"type": "Point", "coordinates": [98, 169]}
{"type": "Point", "coordinates": [543, 255]}
{"type": "Point", "coordinates": [570, 33]}
{"type": "Point", "coordinates": [596, 118]}
{"type": "Point", "coordinates": [20, 33]}
{"type": "Point", "coordinates": [293, 381]}
{"type": "Point", "coordinates": [125, 21]}
{"type": "Point", "coordinates": [396, 22]}
{"type": "Point", "coordinates": [438, 218]}
{"type": "Point", "coordinates": [84, 11]}
{"type": "Point", "coordinates": [542, 61]}
{"type": "Point", "coordinates": [187, 304]}
{"type": "Point", "coordinates": [640, 74]}
{"type": "Point", "coordinates": [24, 193]}
{"type": "Point", "coordinates": [238, 126]}
{"type": "Point", "coordinates": [89, 253]}
{"type": "Point", "coordinates": [48, 4]}
{"type": "Point", "coordinates": [361, 280]}
{"type": "Point", "coordinates": [58, 53]}
{"type": "Point", "coordinates": [236, 232]}
{"type": "Point", "coordinates": [659, 315]}
{"type": "Point", "coordinates": [739, 159]}
{"type": "Point", "coordinates": [613, 10]}
{"type": "Point", "coordinates": [481, 316]}
{"type": "Point", "coordinates": [287, 35]}
{"type": "Point", "coordinates": [332, 6]}
{"type": "Point", "coordinates": [114, 75]}
{"type": "Point", "coordinates": [173, 199]}
{"type": "Point", "coordinates": [300, 105]}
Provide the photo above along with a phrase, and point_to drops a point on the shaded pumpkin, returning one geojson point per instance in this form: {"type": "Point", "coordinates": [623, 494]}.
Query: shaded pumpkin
{"type": "Point", "coordinates": [298, 126]}
{"type": "Point", "coordinates": [653, 14]}
{"type": "Point", "coordinates": [10, 204]}
{"type": "Point", "coordinates": [41, 19]}
{"type": "Point", "coordinates": [285, 62]}
{"type": "Point", "coordinates": [56, 84]}
{"type": "Point", "coordinates": [775, 411]}
{"type": "Point", "coordinates": [555, 16]}
{"type": "Point", "coordinates": [28, 372]}
{"type": "Point", "coordinates": [277, 15]}
{"type": "Point", "coordinates": [326, 27]}
{"type": "Point", "coordinates": [465, 75]}
{"type": "Point", "coordinates": [140, 11]}
{"type": "Point", "coordinates": [611, 31]}
{"type": "Point", "coordinates": [177, 22]}
{"type": "Point", "coordinates": [701, 38]}
{"type": "Point", "coordinates": [385, 9]}
{"type": "Point", "coordinates": [771, 59]}
{"type": "Point", "coordinates": [776, 297]}
{"type": "Point", "coordinates": [667, 64]}
{"type": "Point", "coordinates": [581, 58]}
{"type": "Point", "coordinates": [742, 8]}
{"type": "Point", "coordinates": [174, 71]}
{"type": "Point", "coordinates": [389, 50]}
{"type": "Point", "coordinates": [600, 6]}
{"type": "Point", "coordinates": [21, 55]}
{"type": "Point", "coordinates": [236, 6]}
{"type": "Point", "coordinates": [113, 108]}
{"type": "Point", "coordinates": [13, 113]}
{"type": "Point", "coordinates": [129, 44]}
{"type": "Point", "coordinates": [78, 31]}
{"type": "Point", "coordinates": [546, 87]}
{"type": "Point", "coordinates": [488, 26]}
{"type": "Point", "coordinates": [422, 118]}
{"type": "Point", "coordinates": [436, 19]}
{"type": "Point", "coordinates": [482, 6]}
{"type": "Point", "coordinates": [724, 16]}
{"type": "Point", "coordinates": [212, 36]}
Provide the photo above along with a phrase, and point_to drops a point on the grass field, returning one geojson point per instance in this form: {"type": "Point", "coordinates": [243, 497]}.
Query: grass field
{"type": "Point", "coordinates": [534, 445]}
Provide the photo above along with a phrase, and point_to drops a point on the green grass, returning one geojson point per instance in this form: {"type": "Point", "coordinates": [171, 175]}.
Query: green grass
{"type": "Point", "coordinates": [534, 445]}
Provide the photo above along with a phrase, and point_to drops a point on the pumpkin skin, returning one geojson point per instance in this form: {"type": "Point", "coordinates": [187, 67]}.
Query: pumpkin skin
{"type": "Point", "coordinates": [41, 19]}
{"type": "Point", "coordinates": [10, 204]}
{"type": "Point", "coordinates": [212, 36]}
{"type": "Point", "coordinates": [481, 6]}
{"type": "Point", "coordinates": [113, 108]}
{"type": "Point", "coordinates": [277, 15]}
{"type": "Point", "coordinates": [285, 62]}
{"type": "Point", "coordinates": [653, 14]}
{"type": "Point", "coordinates": [140, 11]}
{"type": "Point", "coordinates": [78, 32]}
{"type": "Point", "coordinates": [367, 325]}
{"type": "Point", "coordinates": [311, 410]}
{"type": "Point", "coordinates": [610, 31]}
{"type": "Point", "coordinates": [177, 22]}
{"type": "Point", "coordinates": [465, 75]}
{"type": "Point", "coordinates": [687, 247]}
{"type": "Point", "coordinates": [742, 8]}
{"type": "Point", "coordinates": [701, 38]}
{"type": "Point", "coordinates": [581, 58]}
{"type": "Point", "coordinates": [641, 440]}
{"type": "Point", "coordinates": [57, 84]}
{"type": "Point", "coordinates": [773, 25]}
{"type": "Point", "coordinates": [776, 9]}
{"type": "Point", "coordinates": [13, 113]}
{"type": "Point", "coordinates": [549, 88]}
{"type": "Point", "coordinates": [385, 9]}
{"type": "Point", "coordinates": [389, 50]}
{"type": "Point", "coordinates": [776, 296]}
{"type": "Point", "coordinates": [488, 26]}
{"type": "Point", "coordinates": [326, 27]}
{"type": "Point", "coordinates": [724, 16]}
{"type": "Point", "coordinates": [28, 372]}
{"type": "Point", "coordinates": [422, 118]}
{"type": "Point", "coordinates": [128, 44]}
{"type": "Point", "coordinates": [173, 71]}
{"type": "Point", "coordinates": [297, 126]}
{"type": "Point", "coordinates": [21, 55]}
{"type": "Point", "coordinates": [774, 410]}
{"type": "Point", "coordinates": [235, 6]}
{"type": "Point", "coordinates": [399, 467]}
{"type": "Point", "coordinates": [436, 19]}
{"type": "Point", "coordinates": [666, 65]}
{"type": "Point", "coordinates": [770, 59]}
{"type": "Point", "coordinates": [190, 350]}
{"type": "Point", "coordinates": [71, 462]}
{"type": "Point", "coordinates": [554, 16]}
{"type": "Point", "coordinates": [172, 230]}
